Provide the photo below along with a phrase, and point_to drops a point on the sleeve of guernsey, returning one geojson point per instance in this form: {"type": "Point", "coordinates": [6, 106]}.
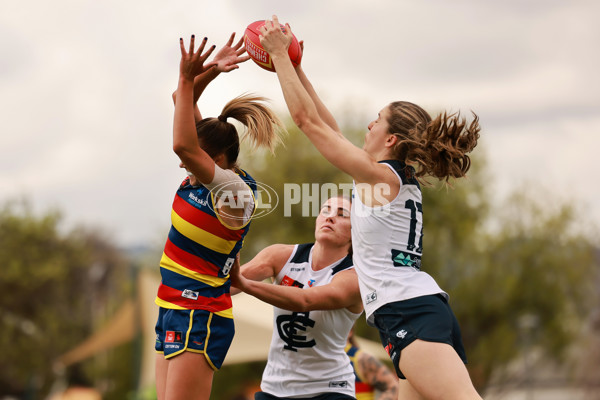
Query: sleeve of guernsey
{"type": "Point", "coordinates": [228, 186]}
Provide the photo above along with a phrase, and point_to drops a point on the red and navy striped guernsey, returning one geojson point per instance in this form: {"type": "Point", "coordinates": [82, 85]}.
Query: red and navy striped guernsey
{"type": "Point", "coordinates": [199, 252]}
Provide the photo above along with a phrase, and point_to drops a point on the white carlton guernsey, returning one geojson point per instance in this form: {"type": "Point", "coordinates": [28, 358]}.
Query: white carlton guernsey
{"type": "Point", "coordinates": [307, 354]}
{"type": "Point", "coordinates": [387, 243]}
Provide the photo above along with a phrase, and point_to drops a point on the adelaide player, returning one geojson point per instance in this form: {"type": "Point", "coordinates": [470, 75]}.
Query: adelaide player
{"type": "Point", "coordinates": [195, 324]}
{"type": "Point", "coordinates": [403, 144]}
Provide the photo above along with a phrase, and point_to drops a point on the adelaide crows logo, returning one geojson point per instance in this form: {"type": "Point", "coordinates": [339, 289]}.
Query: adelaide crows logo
{"type": "Point", "coordinates": [288, 327]}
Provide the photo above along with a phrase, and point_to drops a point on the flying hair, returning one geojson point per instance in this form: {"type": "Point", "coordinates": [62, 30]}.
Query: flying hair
{"type": "Point", "coordinates": [263, 127]}
{"type": "Point", "coordinates": [220, 136]}
{"type": "Point", "coordinates": [438, 147]}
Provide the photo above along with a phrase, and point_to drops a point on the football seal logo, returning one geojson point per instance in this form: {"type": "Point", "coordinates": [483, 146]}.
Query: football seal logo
{"type": "Point", "coordinates": [288, 327]}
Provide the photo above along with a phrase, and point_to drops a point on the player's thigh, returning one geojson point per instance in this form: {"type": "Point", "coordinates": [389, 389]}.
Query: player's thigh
{"type": "Point", "coordinates": [189, 377]}
{"type": "Point", "coordinates": [436, 371]}
{"type": "Point", "coordinates": [161, 370]}
{"type": "Point", "coordinates": [406, 391]}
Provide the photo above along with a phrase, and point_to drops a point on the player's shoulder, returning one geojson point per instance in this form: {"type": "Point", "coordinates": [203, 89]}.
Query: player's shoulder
{"type": "Point", "coordinates": [245, 176]}
{"type": "Point", "coordinates": [346, 276]}
{"type": "Point", "coordinates": [346, 264]}
{"type": "Point", "coordinates": [302, 253]}
{"type": "Point", "coordinates": [405, 172]}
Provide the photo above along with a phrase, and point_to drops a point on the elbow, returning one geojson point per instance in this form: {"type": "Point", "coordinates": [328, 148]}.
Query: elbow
{"type": "Point", "coordinates": [304, 304]}
{"type": "Point", "coordinates": [302, 119]}
{"type": "Point", "coordinates": [181, 150]}
{"type": "Point", "coordinates": [298, 302]}
{"type": "Point", "coordinates": [309, 125]}
{"type": "Point", "coordinates": [303, 307]}
{"type": "Point", "coordinates": [178, 148]}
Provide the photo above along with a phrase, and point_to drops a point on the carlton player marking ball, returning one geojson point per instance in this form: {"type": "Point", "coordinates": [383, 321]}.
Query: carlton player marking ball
{"type": "Point", "coordinates": [258, 54]}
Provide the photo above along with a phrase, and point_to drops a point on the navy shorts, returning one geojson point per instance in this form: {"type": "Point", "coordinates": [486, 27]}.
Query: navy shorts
{"type": "Point", "coordinates": [198, 331]}
{"type": "Point", "coordinates": [323, 396]}
{"type": "Point", "coordinates": [427, 318]}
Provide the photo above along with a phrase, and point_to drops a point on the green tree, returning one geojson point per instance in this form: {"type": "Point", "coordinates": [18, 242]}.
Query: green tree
{"type": "Point", "coordinates": [54, 288]}
{"type": "Point", "coordinates": [532, 285]}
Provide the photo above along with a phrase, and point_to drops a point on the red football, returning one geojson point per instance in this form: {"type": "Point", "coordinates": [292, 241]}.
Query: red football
{"type": "Point", "coordinates": [258, 54]}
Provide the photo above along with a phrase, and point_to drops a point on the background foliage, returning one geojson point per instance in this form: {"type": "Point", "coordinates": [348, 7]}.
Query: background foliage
{"type": "Point", "coordinates": [55, 288]}
{"type": "Point", "coordinates": [522, 275]}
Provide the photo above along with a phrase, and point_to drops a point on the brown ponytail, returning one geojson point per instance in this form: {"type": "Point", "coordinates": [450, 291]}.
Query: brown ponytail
{"type": "Point", "coordinates": [439, 148]}
{"type": "Point", "coordinates": [218, 136]}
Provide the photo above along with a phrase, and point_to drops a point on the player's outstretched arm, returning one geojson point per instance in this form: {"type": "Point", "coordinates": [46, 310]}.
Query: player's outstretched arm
{"type": "Point", "coordinates": [185, 140]}
{"type": "Point", "coordinates": [323, 111]}
{"type": "Point", "coordinates": [266, 264]}
{"type": "Point", "coordinates": [341, 292]}
{"type": "Point", "coordinates": [331, 144]}
{"type": "Point", "coordinates": [227, 59]}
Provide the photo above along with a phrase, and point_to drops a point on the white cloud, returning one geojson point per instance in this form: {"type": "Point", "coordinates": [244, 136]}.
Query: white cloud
{"type": "Point", "coordinates": [87, 114]}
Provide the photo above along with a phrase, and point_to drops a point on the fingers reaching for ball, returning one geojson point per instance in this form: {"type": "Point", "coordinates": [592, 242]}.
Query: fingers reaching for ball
{"type": "Point", "coordinates": [230, 55]}
{"type": "Point", "coordinates": [274, 38]}
{"type": "Point", "coordinates": [264, 30]}
{"type": "Point", "coordinates": [192, 63]}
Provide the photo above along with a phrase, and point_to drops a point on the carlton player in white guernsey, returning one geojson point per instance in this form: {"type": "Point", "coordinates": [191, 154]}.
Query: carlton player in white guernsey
{"type": "Point", "coordinates": [415, 322]}
{"type": "Point", "coordinates": [388, 242]}
{"type": "Point", "coordinates": [317, 300]}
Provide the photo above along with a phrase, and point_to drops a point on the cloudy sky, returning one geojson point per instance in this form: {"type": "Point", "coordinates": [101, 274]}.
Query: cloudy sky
{"type": "Point", "coordinates": [86, 112]}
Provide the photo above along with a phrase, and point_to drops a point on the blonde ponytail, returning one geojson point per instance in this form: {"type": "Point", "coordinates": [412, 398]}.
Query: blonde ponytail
{"type": "Point", "coordinates": [263, 127]}
{"type": "Point", "coordinates": [219, 136]}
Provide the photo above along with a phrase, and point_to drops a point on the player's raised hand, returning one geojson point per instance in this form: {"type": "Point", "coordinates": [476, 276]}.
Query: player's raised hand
{"type": "Point", "coordinates": [192, 63]}
{"type": "Point", "coordinates": [230, 55]}
{"type": "Point", "coordinates": [274, 39]}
